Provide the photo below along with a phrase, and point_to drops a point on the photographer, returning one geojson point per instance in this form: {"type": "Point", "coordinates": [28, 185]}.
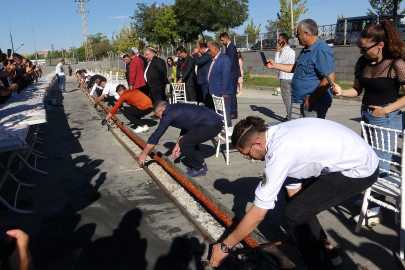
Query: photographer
{"type": "Point", "coordinates": [20, 258]}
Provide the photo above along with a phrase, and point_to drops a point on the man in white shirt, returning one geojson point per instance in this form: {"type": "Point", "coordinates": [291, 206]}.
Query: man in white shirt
{"type": "Point", "coordinates": [285, 55]}
{"type": "Point", "coordinates": [61, 76]}
{"type": "Point", "coordinates": [335, 162]}
{"type": "Point", "coordinates": [109, 92]}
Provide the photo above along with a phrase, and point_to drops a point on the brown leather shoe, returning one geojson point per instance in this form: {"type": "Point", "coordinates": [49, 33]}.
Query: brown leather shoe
{"type": "Point", "coordinates": [234, 117]}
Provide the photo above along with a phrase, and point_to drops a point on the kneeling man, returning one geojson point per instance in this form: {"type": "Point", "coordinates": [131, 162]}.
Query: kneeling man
{"type": "Point", "coordinates": [198, 124]}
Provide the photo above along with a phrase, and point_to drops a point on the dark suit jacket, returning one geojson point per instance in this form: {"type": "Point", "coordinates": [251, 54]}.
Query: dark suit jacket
{"type": "Point", "coordinates": [156, 73]}
{"type": "Point", "coordinates": [203, 65]}
{"type": "Point", "coordinates": [220, 77]}
{"type": "Point", "coordinates": [145, 61]}
{"type": "Point", "coordinates": [233, 55]}
{"type": "Point", "coordinates": [188, 71]}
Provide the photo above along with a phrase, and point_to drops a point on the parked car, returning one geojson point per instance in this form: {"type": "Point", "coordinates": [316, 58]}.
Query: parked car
{"type": "Point", "coordinates": [268, 43]}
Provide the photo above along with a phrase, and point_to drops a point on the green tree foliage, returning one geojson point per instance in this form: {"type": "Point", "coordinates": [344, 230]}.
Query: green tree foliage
{"type": "Point", "coordinates": [271, 29]}
{"type": "Point", "coordinates": [341, 16]}
{"type": "Point", "coordinates": [156, 24]}
{"type": "Point", "coordinates": [231, 13]}
{"type": "Point", "coordinates": [284, 16]}
{"type": "Point", "coordinates": [126, 39]}
{"type": "Point", "coordinates": [252, 31]}
{"type": "Point", "coordinates": [383, 7]}
{"type": "Point", "coordinates": [195, 17]}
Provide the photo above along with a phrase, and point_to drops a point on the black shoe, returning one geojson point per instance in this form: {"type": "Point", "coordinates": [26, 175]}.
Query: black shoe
{"type": "Point", "coordinates": [154, 117]}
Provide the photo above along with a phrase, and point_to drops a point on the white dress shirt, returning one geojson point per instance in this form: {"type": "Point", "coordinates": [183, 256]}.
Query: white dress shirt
{"type": "Point", "coordinates": [310, 147]}
{"type": "Point", "coordinates": [146, 70]}
{"type": "Point", "coordinates": [95, 86]}
{"type": "Point", "coordinates": [286, 56]}
{"type": "Point", "coordinates": [110, 89]}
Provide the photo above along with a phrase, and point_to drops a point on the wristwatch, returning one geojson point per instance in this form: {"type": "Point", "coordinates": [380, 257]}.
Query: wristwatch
{"type": "Point", "coordinates": [224, 248]}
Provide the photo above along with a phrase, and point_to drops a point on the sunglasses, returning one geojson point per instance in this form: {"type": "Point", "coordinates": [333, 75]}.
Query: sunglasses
{"type": "Point", "coordinates": [365, 49]}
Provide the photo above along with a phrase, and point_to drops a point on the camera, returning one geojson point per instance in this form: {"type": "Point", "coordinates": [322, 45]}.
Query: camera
{"type": "Point", "coordinates": [7, 244]}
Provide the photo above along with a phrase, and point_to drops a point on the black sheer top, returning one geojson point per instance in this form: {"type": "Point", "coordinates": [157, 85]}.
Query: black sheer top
{"type": "Point", "coordinates": [381, 81]}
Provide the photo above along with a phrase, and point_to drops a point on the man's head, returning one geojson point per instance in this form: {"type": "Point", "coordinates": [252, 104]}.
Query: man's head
{"type": "Point", "coordinates": [62, 61]}
{"type": "Point", "coordinates": [307, 32]}
{"type": "Point", "coordinates": [100, 82]}
{"type": "Point", "coordinates": [18, 59]}
{"type": "Point", "coordinates": [181, 52]}
{"type": "Point", "coordinates": [159, 108]}
{"type": "Point", "coordinates": [225, 39]}
{"type": "Point", "coordinates": [135, 50]}
{"type": "Point", "coordinates": [131, 54]}
{"type": "Point", "coordinates": [214, 49]}
{"type": "Point", "coordinates": [202, 46]}
{"type": "Point", "coordinates": [283, 40]}
{"type": "Point", "coordinates": [249, 137]}
{"type": "Point", "coordinates": [120, 89]}
{"type": "Point", "coordinates": [149, 53]}
{"type": "Point", "coordinates": [126, 58]}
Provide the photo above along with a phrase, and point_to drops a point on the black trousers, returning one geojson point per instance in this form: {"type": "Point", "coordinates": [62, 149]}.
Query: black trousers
{"type": "Point", "coordinates": [111, 100]}
{"type": "Point", "coordinates": [134, 114]}
{"type": "Point", "coordinates": [155, 94]}
{"type": "Point", "coordinates": [189, 144]}
{"type": "Point", "coordinates": [190, 93]}
{"type": "Point", "coordinates": [234, 101]}
{"type": "Point", "coordinates": [200, 96]}
{"type": "Point", "coordinates": [323, 193]}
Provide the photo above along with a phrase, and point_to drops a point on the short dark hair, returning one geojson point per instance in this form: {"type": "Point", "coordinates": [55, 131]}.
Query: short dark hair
{"type": "Point", "coordinates": [246, 128]}
{"type": "Point", "coordinates": [215, 45]}
{"type": "Point", "coordinates": [62, 60]}
{"type": "Point", "coordinates": [17, 57]}
{"type": "Point", "coordinates": [100, 80]}
{"type": "Point", "coordinates": [224, 35]}
{"type": "Point", "coordinates": [203, 44]}
{"type": "Point", "coordinates": [285, 37]}
{"type": "Point", "coordinates": [120, 87]}
{"type": "Point", "coordinates": [181, 49]}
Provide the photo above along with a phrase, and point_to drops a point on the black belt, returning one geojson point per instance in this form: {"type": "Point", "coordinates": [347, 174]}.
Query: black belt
{"type": "Point", "coordinates": [365, 107]}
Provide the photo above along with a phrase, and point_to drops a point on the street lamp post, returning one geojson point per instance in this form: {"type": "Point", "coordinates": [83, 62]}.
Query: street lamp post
{"type": "Point", "coordinates": [71, 39]}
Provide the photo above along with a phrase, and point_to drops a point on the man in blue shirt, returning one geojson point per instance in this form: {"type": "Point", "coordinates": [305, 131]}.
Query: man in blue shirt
{"type": "Point", "coordinates": [309, 85]}
{"type": "Point", "coordinates": [198, 124]}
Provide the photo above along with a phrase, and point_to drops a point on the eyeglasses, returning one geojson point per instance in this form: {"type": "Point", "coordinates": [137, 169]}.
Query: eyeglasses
{"type": "Point", "coordinates": [365, 49]}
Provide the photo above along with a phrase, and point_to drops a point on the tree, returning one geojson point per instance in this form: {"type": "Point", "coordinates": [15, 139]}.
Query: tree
{"type": "Point", "coordinates": [126, 39]}
{"type": "Point", "coordinates": [195, 17]}
{"type": "Point", "coordinates": [341, 16]}
{"type": "Point", "coordinates": [380, 7]}
{"type": "Point", "coordinates": [230, 13]}
{"type": "Point", "coordinates": [284, 16]}
{"type": "Point", "coordinates": [252, 31]}
{"type": "Point", "coordinates": [271, 29]}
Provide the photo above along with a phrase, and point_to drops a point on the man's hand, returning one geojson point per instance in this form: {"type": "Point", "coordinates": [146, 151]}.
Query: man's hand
{"type": "Point", "coordinates": [271, 64]}
{"type": "Point", "coordinates": [179, 81]}
{"type": "Point", "coordinates": [95, 105]}
{"type": "Point", "coordinates": [225, 96]}
{"type": "Point", "coordinates": [278, 48]}
{"type": "Point", "coordinates": [176, 151]}
{"type": "Point", "coordinates": [308, 101]}
{"type": "Point", "coordinates": [20, 259]}
{"type": "Point", "coordinates": [378, 111]}
{"type": "Point", "coordinates": [217, 255]}
{"type": "Point", "coordinates": [89, 98]}
{"type": "Point", "coordinates": [103, 122]}
{"type": "Point", "coordinates": [141, 158]}
{"type": "Point", "coordinates": [195, 51]}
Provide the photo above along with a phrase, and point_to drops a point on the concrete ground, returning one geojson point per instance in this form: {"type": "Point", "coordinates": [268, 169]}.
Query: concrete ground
{"type": "Point", "coordinates": [96, 202]}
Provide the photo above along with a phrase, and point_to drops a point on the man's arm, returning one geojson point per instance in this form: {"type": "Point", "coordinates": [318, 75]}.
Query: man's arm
{"type": "Point", "coordinates": [100, 98]}
{"type": "Point", "coordinates": [322, 87]}
{"type": "Point", "coordinates": [249, 222]}
{"type": "Point", "coordinates": [187, 69]}
{"type": "Point", "coordinates": [142, 156]}
{"type": "Point", "coordinates": [271, 64]}
{"type": "Point", "coordinates": [132, 74]}
{"type": "Point", "coordinates": [201, 61]}
{"type": "Point", "coordinates": [226, 74]}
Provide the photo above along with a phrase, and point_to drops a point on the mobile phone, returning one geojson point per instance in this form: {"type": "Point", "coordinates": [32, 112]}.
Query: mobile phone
{"type": "Point", "coordinates": [282, 43]}
{"type": "Point", "coordinates": [8, 53]}
{"type": "Point", "coordinates": [264, 60]}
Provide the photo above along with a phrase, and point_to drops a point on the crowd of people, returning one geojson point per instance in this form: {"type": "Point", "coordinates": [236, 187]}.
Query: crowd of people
{"type": "Point", "coordinates": [315, 163]}
{"type": "Point", "coordinates": [16, 73]}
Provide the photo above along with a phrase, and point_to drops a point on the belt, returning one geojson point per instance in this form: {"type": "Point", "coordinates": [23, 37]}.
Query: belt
{"type": "Point", "coordinates": [365, 107]}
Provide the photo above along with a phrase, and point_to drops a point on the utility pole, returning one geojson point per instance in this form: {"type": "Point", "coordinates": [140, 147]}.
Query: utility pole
{"type": "Point", "coordinates": [71, 39]}
{"type": "Point", "coordinates": [292, 19]}
{"type": "Point", "coordinates": [32, 30]}
{"type": "Point", "coordinates": [87, 44]}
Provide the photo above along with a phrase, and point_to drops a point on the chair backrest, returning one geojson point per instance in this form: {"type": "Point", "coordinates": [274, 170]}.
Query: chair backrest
{"type": "Point", "coordinates": [116, 78]}
{"type": "Point", "coordinates": [386, 140]}
{"type": "Point", "coordinates": [220, 108]}
{"type": "Point", "coordinates": [179, 93]}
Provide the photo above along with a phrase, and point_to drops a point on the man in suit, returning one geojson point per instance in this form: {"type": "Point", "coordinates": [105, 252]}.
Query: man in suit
{"type": "Point", "coordinates": [187, 72]}
{"type": "Point", "coordinates": [218, 80]}
{"type": "Point", "coordinates": [232, 53]}
{"type": "Point", "coordinates": [155, 75]}
{"type": "Point", "coordinates": [136, 73]}
{"type": "Point", "coordinates": [138, 54]}
{"type": "Point", "coordinates": [202, 59]}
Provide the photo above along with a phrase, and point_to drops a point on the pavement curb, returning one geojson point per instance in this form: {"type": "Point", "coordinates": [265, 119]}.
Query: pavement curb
{"type": "Point", "coordinates": [268, 88]}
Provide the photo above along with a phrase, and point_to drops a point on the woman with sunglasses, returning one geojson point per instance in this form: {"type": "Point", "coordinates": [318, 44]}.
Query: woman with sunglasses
{"type": "Point", "coordinates": [171, 74]}
{"type": "Point", "coordinates": [381, 72]}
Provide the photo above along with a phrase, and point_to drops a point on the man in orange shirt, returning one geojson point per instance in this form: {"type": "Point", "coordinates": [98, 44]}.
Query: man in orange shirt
{"type": "Point", "coordinates": [139, 105]}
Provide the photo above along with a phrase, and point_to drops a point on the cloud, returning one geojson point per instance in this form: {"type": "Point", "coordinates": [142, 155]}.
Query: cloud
{"type": "Point", "coordinates": [120, 17]}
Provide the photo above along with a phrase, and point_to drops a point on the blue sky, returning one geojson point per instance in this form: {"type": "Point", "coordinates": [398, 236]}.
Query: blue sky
{"type": "Point", "coordinates": [52, 20]}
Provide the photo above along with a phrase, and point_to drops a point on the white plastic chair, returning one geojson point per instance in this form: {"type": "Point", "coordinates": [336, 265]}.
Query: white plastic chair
{"type": "Point", "coordinates": [117, 79]}
{"type": "Point", "coordinates": [226, 131]}
{"type": "Point", "coordinates": [392, 184]}
{"type": "Point", "coordinates": [179, 93]}
{"type": "Point", "coordinates": [295, 112]}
